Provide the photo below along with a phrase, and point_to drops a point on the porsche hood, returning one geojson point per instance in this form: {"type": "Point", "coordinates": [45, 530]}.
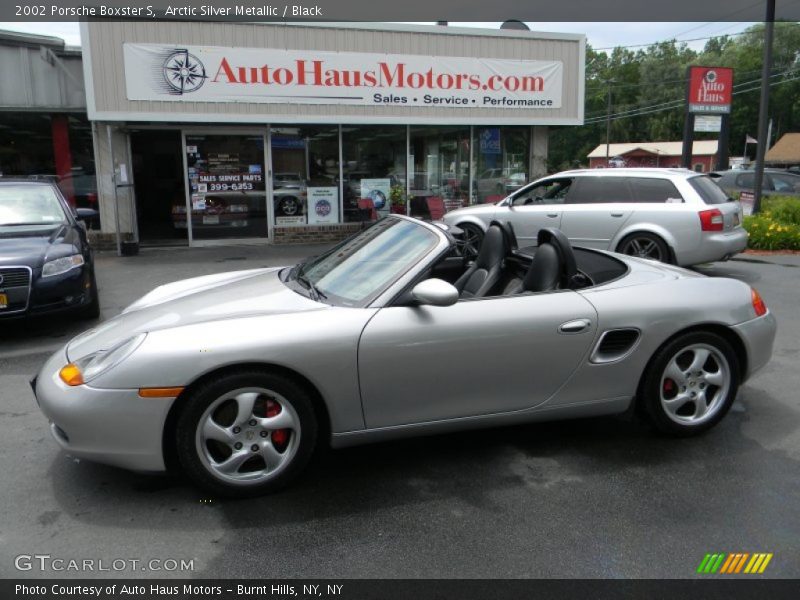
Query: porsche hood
{"type": "Point", "coordinates": [201, 299]}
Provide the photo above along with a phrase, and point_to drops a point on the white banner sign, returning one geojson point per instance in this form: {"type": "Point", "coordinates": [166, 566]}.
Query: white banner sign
{"type": "Point", "coordinates": [323, 205]}
{"type": "Point", "coordinates": [219, 74]}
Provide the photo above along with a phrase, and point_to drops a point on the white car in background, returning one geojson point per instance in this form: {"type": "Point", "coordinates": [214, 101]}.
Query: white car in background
{"type": "Point", "coordinates": [670, 215]}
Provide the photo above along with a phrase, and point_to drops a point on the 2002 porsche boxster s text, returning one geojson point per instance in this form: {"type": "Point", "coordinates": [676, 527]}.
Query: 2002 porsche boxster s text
{"type": "Point", "coordinates": [236, 377]}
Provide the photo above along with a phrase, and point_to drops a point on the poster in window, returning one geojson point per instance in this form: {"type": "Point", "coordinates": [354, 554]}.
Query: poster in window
{"type": "Point", "coordinates": [378, 191]}
{"type": "Point", "coordinates": [323, 205]}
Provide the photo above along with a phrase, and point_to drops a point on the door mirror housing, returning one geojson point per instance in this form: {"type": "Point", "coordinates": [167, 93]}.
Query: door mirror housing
{"type": "Point", "coordinates": [435, 292]}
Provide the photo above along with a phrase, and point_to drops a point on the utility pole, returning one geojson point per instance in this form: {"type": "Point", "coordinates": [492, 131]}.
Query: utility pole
{"type": "Point", "coordinates": [763, 108]}
{"type": "Point", "coordinates": [608, 121]}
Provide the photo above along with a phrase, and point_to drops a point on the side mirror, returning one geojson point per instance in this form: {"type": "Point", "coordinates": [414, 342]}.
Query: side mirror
{"type": "Point", "coordinates": [435, 292]}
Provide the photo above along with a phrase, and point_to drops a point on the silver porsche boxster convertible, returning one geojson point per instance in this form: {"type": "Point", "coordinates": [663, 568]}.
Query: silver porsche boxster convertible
{"type": "Point", "coordinates": [235, 378]}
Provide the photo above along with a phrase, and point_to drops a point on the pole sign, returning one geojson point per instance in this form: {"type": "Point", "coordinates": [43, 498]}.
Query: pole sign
{"type": "Point", "coordinates": [710, 89]}
{"type": "Point", "coordinates": [708, 123]}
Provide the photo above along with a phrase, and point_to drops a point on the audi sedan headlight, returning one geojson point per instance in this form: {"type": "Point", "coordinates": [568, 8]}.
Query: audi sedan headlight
{"type": "Point", "coordinates": [62, 265]}
{"type": "Point", "coordinates": [91, 366]}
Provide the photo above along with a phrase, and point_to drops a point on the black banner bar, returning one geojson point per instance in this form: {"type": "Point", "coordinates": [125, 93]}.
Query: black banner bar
{"type": "Point", "coordinates": [705, 587]}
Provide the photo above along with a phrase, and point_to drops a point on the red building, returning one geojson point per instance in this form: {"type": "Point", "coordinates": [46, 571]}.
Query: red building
{"type": "Point", "coordinates": [653, 154]}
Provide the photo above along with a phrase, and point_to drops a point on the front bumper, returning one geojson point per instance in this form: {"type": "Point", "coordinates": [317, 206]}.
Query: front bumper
{"type": "Point", "coordinates": [115, 427]}
{"type": "Point", "coordinates": [68, 291]}
{"type": "Point", "coordinates": [758, 336]}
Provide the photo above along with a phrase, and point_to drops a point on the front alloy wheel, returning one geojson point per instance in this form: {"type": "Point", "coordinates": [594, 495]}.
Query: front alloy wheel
{"type": "Point", "coordinates": [246, 434]}
{"type": "Point", "coordinates": [691, 383]}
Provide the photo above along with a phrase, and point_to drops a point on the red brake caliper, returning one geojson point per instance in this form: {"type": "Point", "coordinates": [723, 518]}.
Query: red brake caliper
{"type": "Point", "coordinates": [280, 437]}
{"type": "Point", "coordinates": [668, 385]}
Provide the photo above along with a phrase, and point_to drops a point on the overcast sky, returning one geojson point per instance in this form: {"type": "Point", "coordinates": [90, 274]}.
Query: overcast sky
{"type": "Point", "coordinates": [600, 35]}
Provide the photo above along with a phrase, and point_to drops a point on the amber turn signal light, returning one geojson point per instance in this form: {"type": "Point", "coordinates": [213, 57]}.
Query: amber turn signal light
{"type": "Point", "coordinates": [167, 392]}
{"type": "Point", "coordinates": [758, 303]}
{"type": "Point", "coordinates": [71, 375]}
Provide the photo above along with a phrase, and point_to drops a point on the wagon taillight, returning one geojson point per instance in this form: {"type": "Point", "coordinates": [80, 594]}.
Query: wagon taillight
{"type": "Point", "coordinates": [711, 220]}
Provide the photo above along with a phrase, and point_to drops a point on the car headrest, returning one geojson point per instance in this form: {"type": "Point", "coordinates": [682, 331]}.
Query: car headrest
{"type": "Point", "coordinates": [508, 232]}
{"type": "Point", "coordinates": [494, 247]}
{"type": "Point", "coordinates": [556, 237]}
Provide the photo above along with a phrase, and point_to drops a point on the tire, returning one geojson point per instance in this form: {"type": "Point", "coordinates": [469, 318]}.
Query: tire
{"type": "Point", "coordinates": [645, 245]}
{"type": "Point", "coordinates": [683, 405]}
{"type": "Point", "coordinates": [235, 410]}
{"type": "Point", "coordinates": [289, 206]}
{"type": "Point", "coordinates": [92, 310]}
{"type": "Point", "coordinates": [473, 239]}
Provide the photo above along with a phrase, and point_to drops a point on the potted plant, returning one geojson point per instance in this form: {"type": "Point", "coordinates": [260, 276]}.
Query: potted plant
{"type": "Point", "coordinates": [397, 200]}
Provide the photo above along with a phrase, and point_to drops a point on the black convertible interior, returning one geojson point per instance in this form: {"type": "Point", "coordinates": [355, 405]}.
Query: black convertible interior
{"type": "Point", "coordinates": [501, 268]}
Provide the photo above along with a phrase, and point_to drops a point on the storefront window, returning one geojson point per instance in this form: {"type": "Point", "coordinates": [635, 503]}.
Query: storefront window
{"type": "Point", "coordinates": [440, 180]}
{"type": "Point", "coordinates": [55, 148]}
{"type": "Point", "coordinates": [374, 168]}
{"type": "Point", "coordinates": [305, 180]}
{"type": "Point", "coordinates": [501, 156]}
{"type": "Point", "coordinates": [227, 197]}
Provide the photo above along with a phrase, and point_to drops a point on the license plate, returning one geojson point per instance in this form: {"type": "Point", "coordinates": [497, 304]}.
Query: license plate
{"type": "Point", "coordinates": [210, 219]}
{"type": "Point", "coordinates": [3, 301]}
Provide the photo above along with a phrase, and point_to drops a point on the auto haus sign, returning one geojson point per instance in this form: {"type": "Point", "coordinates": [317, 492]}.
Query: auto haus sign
{"type": "Point", "coordinates": [710, 89]}
{"type": "Point", "coordinates": [218, 74]}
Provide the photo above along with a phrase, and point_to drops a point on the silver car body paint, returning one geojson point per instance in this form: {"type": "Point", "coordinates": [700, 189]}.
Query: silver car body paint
{"type": "Point", "coordinates": [604, 225]}
{"type": "Point", "coordinates": [387, 371]}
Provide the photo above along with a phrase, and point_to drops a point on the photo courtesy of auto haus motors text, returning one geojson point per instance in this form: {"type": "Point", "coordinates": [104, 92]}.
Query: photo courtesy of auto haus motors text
{"type": "Point", "coordinates": [276, 591]}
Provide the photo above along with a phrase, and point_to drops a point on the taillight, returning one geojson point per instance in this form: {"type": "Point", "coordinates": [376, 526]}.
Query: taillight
{"type": "Point", "coordinates": [711, 220]}
{"type": "Point", "coordinates": [758, 303]}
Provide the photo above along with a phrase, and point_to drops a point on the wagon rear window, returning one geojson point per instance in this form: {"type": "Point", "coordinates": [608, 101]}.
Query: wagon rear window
{"type": "Point", "coordinates": [709, 191]}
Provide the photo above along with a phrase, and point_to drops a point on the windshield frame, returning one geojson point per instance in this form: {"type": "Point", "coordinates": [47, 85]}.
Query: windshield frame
{"type": "Point", "coordinates": [66, 212]}
{"type": "Point", "coordinates": [386, 292]}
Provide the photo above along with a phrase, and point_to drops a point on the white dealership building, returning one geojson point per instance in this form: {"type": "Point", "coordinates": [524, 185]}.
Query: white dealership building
{"type": "Point", "coordinates": [209, 133]}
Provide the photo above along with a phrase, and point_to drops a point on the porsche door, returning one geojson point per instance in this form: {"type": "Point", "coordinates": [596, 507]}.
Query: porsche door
{"type": "Point", "coordinates": [426, 363]}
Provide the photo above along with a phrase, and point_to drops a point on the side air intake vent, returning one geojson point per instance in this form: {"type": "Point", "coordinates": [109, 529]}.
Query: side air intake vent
{"type": "Point", "coordinates": [615, 345]}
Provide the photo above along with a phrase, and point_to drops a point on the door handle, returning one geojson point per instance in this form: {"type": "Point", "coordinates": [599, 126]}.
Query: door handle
{"type": "Point", "coordinates": [617, 214]}
{"type": "Point", "coordinates": [576, 326]}
{"type": "Point", "coordinates": [552, 215]}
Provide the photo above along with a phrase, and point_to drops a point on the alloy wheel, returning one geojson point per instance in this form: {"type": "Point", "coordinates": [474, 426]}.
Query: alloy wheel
{"type": "Point", "coordinates": [289, 206]}
{"type": "Point", "coordinates": [694, 384]}
{"type": "Point", "coordinates": [248, 436]}
{"type": "Point", "coordinates": [472, 239]}
{"type": "Point", "coordinates": [643, 248]}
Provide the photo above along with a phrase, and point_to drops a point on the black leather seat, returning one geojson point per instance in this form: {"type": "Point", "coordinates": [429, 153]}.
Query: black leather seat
{"type": "Point", "coordinates": [553, 265]}
{"type": "Point", "coordinates": [485, 272]}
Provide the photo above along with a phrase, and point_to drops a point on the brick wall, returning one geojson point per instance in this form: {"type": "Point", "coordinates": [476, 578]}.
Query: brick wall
{"type": "Point", "coordinates": [314, 234]}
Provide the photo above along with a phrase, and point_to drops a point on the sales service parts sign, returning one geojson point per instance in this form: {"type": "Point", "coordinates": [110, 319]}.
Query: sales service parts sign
{"type": "Point", "coordinates": [218, 74]}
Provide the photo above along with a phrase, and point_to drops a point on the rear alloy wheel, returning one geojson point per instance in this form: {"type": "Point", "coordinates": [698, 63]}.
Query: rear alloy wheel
{"type": "Point", "coordinates": [246, 434]}
{"type": "Point", "coordinates": [691, 383]}
{"type": "Point", "coordinates": [289, 206]}
{"type": "Point", "coordinates": [645, 245]}
{"type": "Point", "coordinates": [472, 239]}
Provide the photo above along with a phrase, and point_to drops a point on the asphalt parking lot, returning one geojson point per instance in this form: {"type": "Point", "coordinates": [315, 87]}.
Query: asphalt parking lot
{"type": "Point", "coordinates": [590, 498]}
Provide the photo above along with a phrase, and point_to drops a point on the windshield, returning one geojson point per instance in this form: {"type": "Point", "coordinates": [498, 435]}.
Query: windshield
{"type": "Point", "coordinates": [357, 271]}
{"type": "Point", "coordinates": [29, 205]}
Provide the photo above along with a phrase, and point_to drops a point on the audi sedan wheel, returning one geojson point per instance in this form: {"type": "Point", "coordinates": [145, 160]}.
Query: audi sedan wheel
{"type": "Point", "coordinates": [645, 245]}
{"type": "Point", "coordinates": [472, 239]}
{"type": "Point", "coordinates": [246, 434]}
{"type": "Point", "coordinates": [691, 383]}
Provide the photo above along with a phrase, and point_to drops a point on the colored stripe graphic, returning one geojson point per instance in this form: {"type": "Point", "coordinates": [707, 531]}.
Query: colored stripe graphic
{"type": "Point", "coordinates": [734, 563]}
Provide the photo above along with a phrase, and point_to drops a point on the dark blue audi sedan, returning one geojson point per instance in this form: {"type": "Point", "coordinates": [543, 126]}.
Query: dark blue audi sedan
{"type": "Point", "coordinates": [46, 263]}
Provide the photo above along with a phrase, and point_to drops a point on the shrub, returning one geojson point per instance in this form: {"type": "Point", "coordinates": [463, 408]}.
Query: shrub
{"type": "Point", "coordinates": [767, 233]}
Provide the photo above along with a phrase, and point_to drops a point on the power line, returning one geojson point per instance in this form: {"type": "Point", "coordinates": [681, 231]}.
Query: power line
{"type": "Point", "coordinates": [674, 104]}
{"type": "Point", "coordinates": [699, 39]}
{"type": "Point", "coordinates": [602, 116]}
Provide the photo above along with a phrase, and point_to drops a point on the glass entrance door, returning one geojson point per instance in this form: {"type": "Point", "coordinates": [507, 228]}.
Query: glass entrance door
{"type": "Point", "coordinates": [227, 192]}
